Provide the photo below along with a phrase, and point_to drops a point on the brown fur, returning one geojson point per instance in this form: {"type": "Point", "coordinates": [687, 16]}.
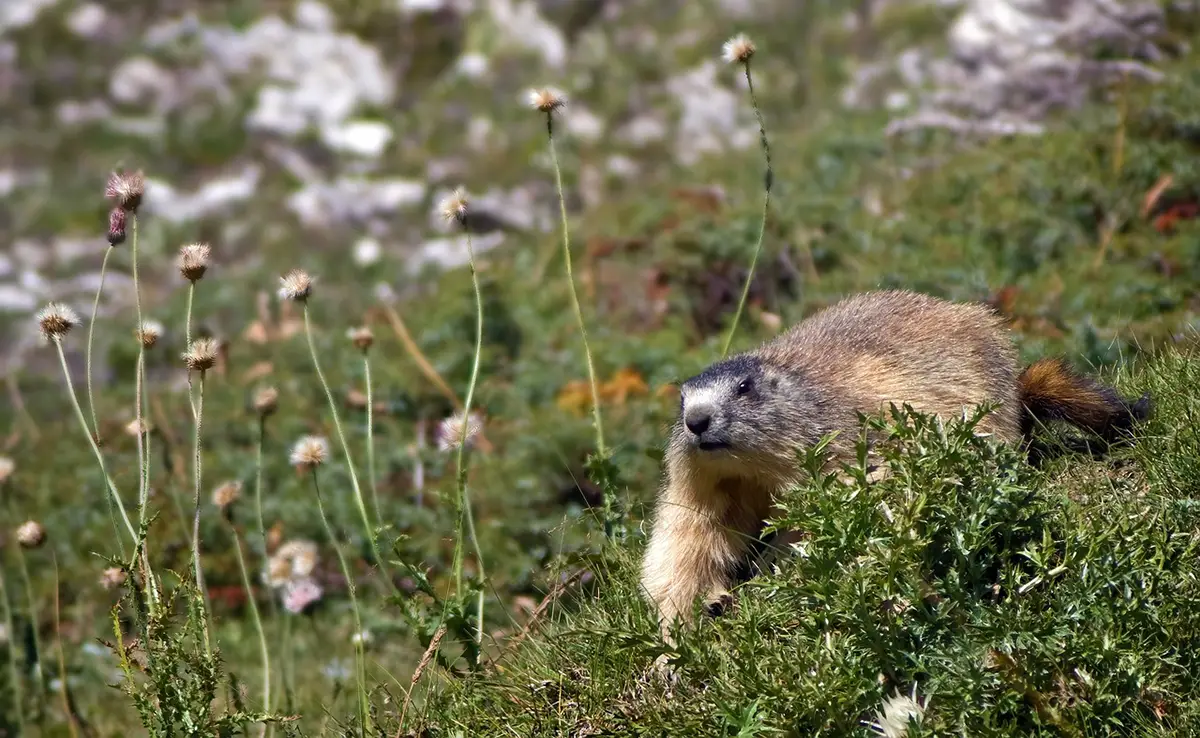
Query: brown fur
{"type": "Point", "coordinates": [757, 409]}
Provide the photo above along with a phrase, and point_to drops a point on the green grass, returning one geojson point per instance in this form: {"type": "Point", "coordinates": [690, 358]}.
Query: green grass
{"type": "Point", "coordinates": [1101, 646]}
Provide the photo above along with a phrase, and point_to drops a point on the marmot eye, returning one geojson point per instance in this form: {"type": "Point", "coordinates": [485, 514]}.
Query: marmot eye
{"type": "Point", "coordinates": [744, 387]}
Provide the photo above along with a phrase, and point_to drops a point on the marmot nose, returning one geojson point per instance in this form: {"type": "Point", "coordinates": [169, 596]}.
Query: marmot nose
{"type": "Point", "coordinates": [697, 420]}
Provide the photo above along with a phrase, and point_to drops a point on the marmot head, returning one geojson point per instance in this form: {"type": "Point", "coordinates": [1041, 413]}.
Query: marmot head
{"type": "Point", "coordinates": [744, 415]}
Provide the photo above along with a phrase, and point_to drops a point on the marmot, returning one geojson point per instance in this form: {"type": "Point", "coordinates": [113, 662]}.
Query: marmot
{"type": "Point", "coordinates": [742, 420]}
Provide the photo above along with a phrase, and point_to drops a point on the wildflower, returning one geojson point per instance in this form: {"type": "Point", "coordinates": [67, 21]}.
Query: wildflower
{"type": "Point", "coordinates": [127, 189]}
{"type": "Point", "coordinates": [361, 337]}
{"type": "Point", "coordinates": [193, 261]}
{"type": "Point", "coordinates": [113, 577]}
{"type": "Point", "coordinates": [362, 638]}
{"type": "Point", "coordinates": [309, 452]}
{"type": "Point", "coordinates": [56, 320]}
{"type": "Point", "coordinates": [149, 333]}
{"type": "Point", "coordinates": [450, 430]}
{"type": "Point", "coordinates": [116, 227]}
{"type": "Point", "coordinates": [31, 534]}
{"type": "Point", "coordinates": [546, 99]}
{"type": "Point", "coordinates": [137, 427]}
{"type": "Point", "coordinates": [7, 467]}
{"type": "Point", "coordinates": [296, 285]}
{"type": "Point", "coordinates": [201, 355]}
{"type": "Point", "coordinates": [266, 400]}
{"type": "Point", "coordinates": [455, 206]}
{"type": "Point", "coordinates": [738, 49]}
{"type": "Point", "coordinates": [897, 711]}
{"type": "Point", "coordinates": [227, 494]}
{"type": "Point", "coordinates": [300, 595]}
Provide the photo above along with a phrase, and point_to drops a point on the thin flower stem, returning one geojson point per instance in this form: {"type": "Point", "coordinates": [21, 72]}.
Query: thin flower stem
{"type": "Point", "coordinates": [39, 681]}
{"type": "Point", "coordinates": [359, 656]}
{"type": "Point", "coordinates": [143, 449]}
{"type": "Point", "coordinates": [262, 634]}
{"type": "Point", "coordinates": [464, 501]}
{"type": "Point", "coordinates": [64, 689]}
{"type": "Point", "coordinates": [337, 424]}
{"type": "Point", "coordinates": [187, 325]}
{"type": "Point", "coordinates": [768, 181]}
{"type": "Point", "coordinates": [112, 488]}
{"type": "Point", "coordinates": [258, 480]}
{"type": "Point", "coordinates": [91, 332]}
{"type": "Point", "coordinates": [285, 668]}
{"type": "Point", "coordinates": [14, 673]}
{"type": "Point", "coordinates": [187, 337]}
{"type": "Point", "coordinates": [566, 238]}
{"type": "Point", "coordinates": [197, 473]}
{"type": "Point", "coordinates": [143, 456]}
{"type": "Point", "coordinates": [371, 438]}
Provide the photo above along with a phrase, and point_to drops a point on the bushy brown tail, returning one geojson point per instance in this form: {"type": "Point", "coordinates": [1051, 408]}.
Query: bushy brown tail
{"type": "Point", "coordinates": [1050, 390]}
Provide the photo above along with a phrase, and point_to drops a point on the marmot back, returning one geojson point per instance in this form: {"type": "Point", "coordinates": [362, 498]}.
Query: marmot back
{"type": "Point", "coordinates": [742, 421]}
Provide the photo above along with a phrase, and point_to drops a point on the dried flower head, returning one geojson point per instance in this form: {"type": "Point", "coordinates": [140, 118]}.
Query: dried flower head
{"type": "Point", "coordinates": [113, 577]}
{"type": "Point", "coordinates": [193, 261]}
{"type": "Point", "coordinates": [295, 285]}
{"type": "Point", "coordinates": [266, 400]}
{"type": "Point", "coordinates": [149, 333]}
{"type": "Point", "coordinates": [450, 430]}
{"type": "Point", "coordinates": [56, 320]}
{"type": "Point", "coordinates": [127, 189]}
{"type": "Point", "coordinates": [892, 720]}
{"type": "Point", "coordinates": [201, 355]}
{"type": "Point", "coordinates": [361, 337]}
{"type": "Point", "coordinates": [31, 534]}
{"type": "Point", "coordinates": [116, 227]}
{"type": "Point", "coordinates": [300, 595]}
{"type": "Point", "coordinates": [546, 99]}
{"type": "Point", "coordinates": [137, 427]}
{"type": "Point", "coordinates": [7, 467]}
{"type": "Point", "coordinates": [454, 207]}
{"type": "Point", "coordinates": [227, 494]}
{"type": "Point", "coordinates": [738, 49]}
{"type": "Point", "coordinates": [309, 452]}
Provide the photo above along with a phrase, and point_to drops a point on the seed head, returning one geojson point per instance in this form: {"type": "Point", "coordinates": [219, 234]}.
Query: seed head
{"type": "Point", "coordinates": [193, 261]}
{"type": "Point", "coordinates": [361, 337]}
{"type": "Point", "coordinates": [7, 467]}
{"type": "Point", "coordinates": [893, 719]}
{"type": "Point", "coordinates": [127, 189]}
{"type": "Point", "coordinates": [31, 534]}
{"type": "Point", "coordinates": [455, 206]}
{"type": "Point", "coordinates": [201, 355]}
{"type": "Point", "coordinates": [266, 400]}
{"type": "Point", "coordinates": [116, 227]}
{"type": "Point", "coordinates": [738, 49]}
{"type": "Point", "coordinates": [149, 333]}
{"type": "Point", "coordinates": [55, 320]}
{"type": "Point", "coordinates": [450, 430]}
{"type": "Point", "coordinates": [137, 428]}
{"type": "Point", "coordinates": [309, 452]}
{"type": "Point", "coordinates": [227, 494]}
{"type": "Point", "coordinates": [300, 595]}
{"type": "Point", "coordinates": [112, 577]}
{"type": "Point", "coordinates": [546, 99]}
{"type": "Point", "coordinates": [296, 285]}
